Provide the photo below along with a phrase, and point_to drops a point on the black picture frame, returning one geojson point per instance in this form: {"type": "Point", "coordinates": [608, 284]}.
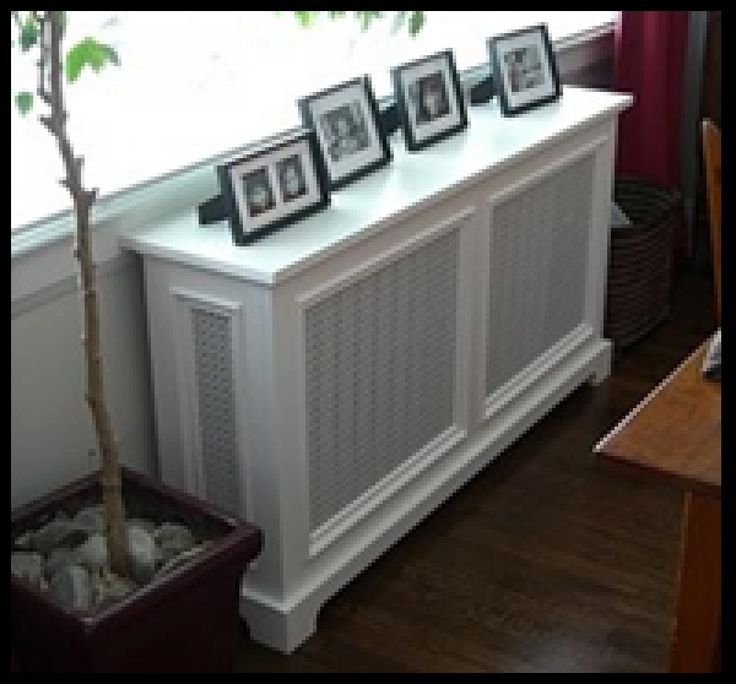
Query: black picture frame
{"type": "Point", "coordinates": [429, 99]}
{"type": "Point", "coordinates": [524, 69]}
{"type": "Point", "coordinates": [347, 126]}
{"type": "Point", "coordinates": [273, 186]}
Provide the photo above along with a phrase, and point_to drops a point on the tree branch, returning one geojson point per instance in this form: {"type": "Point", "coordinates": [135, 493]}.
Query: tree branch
{"type": "Point", "coordinates": [51, 26]}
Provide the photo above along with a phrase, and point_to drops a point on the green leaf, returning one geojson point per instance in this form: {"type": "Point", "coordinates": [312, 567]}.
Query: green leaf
{"type": "Point", "coordinates": [28, 33]}
{"type": "Point", "coordinates": [398, 22]}
{"type": "Point", "coordinates": [336, 15]}
{"type": "Point", "coordinates": [416, 22]}
{"type": "Point", "coordinates": [24, 102]}
{"type": "Point", "coordinates": [88, 52]}
{"type": "Point", "coordinates": [305, 19]}
{"type": "Point", "coordinates": [365, 18]}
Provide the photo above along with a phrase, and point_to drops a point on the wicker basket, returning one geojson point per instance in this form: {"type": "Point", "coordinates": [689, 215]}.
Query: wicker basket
{"type": "Point", "coordinates": [639, 271]}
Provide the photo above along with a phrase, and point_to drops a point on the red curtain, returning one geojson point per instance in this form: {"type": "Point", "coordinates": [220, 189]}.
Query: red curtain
{"type": "Point", "coordinates": [649, 62]}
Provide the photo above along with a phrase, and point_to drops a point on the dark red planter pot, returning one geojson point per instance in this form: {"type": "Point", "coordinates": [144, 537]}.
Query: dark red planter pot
{"type": "Point", "coordinates": [186, 621]}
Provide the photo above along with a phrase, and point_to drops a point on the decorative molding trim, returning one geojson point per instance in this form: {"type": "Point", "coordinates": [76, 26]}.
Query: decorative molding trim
{"type": "Point", "coordinates": [509, 192]}
{"type": "Point", "coordinates": [27, 299]}
{"type": "Point", "coordinates": [536, 370]}
{"type": "Point", "coordinates": [384, 489]}
{"type": "Point", "coordinates": [349, 516]}
{"type": "Point", "coordinates": [544, 172]}
{"type": "Point", "coordinates": [309, 298]}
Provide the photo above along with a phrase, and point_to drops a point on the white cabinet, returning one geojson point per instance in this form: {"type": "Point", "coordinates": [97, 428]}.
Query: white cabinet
{"type": "Point", "coordinates": [336, 381]}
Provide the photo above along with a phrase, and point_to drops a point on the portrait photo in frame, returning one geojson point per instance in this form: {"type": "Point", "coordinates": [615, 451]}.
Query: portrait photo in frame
{"type": "Point", "coordinates": [524, 69]}
{"type": "Point", "coordinates": [272, 186]}
{"type": "Point", "coordinates": [429, 99]}
{"type": "Point", "coordinates": [345, 120]}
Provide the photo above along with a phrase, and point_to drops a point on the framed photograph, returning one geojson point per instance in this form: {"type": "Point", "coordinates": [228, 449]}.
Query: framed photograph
{"type": "Point", "coordinates": [429, 99]}
{"type": "Point", "coordinates": [273, 186]}
{"type": "Point", "coordinates": [345, 121]}
{"type": "Point", "coordinates": [524, 69]}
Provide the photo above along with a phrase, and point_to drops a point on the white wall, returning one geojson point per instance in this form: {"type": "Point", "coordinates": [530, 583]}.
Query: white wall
{"type": "Point", "coordinates": [51, 432]}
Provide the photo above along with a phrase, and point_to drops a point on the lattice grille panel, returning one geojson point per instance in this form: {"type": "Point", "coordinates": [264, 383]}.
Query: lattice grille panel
{"type": "Point", "coordinates": [215, 395]}
{"type": "Point", "coordinates": [380, 373]}
{"type": "Point", "coordinates": [539, 246]}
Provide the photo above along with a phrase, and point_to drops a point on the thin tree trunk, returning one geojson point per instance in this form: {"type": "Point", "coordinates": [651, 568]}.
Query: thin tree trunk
{"type": "Point", "coordinates": [51, 40]}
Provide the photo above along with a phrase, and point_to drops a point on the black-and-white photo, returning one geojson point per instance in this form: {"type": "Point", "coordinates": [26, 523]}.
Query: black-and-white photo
{"type": "Point", "coordinates": [429, 97]}
{"type": "Point", "coordinates": [291, 177]}
{"type": "Point", "coordinates": [273, 185]}
{"type": "Point", "coordinates": [345, 130]}
{"type": "Point", "coordinates": [524, 68]}
{"type": "Point", "coordinates": [258, 193]}
{"type": "Point", "coordinates": [346, 122]}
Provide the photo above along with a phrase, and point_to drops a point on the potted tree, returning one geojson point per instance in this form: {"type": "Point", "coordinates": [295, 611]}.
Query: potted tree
{"type": "Point", "coordinates": [91, 588]}
{"type": "Point", "coordinates": [116, 572]}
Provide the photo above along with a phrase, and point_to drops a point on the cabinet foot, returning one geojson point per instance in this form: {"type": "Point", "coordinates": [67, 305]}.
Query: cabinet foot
{"type": "Point", "coordinates": [602, 368]}
{"type": "Point", "coordinates": [277, 628]}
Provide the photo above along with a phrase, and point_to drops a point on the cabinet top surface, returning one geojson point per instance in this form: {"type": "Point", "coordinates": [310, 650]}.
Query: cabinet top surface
{"type": "Point", "coordinates": [411, 181]}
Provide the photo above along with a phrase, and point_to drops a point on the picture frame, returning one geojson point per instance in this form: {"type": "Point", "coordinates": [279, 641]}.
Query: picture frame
{"type": "Point", "coordinates": [524, 69]}
{"type": "Point", "coordinates": [347, 126]}
{"type": "Point", "coordinates": [273, 186]}
{"type": "Point", "coordinates": [429, 99]}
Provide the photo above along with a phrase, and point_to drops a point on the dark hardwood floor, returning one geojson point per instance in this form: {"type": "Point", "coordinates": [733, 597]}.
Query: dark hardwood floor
{"type": "Point", "coordinates": [548, 561]}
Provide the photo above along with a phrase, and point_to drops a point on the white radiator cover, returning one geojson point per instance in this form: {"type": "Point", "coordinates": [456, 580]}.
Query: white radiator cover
{"type": "Point", "coordinates": [335, 382]}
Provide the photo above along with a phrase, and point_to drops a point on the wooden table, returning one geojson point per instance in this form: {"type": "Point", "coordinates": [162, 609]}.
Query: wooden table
{"type": "Point", "coordinates": [676, 433]}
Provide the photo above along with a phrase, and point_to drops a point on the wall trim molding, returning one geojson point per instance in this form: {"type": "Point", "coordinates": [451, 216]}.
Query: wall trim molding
{"type": "Point", "coordinates": [25, 299]}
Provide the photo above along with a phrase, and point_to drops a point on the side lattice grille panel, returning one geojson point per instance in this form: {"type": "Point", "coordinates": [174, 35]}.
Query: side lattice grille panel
{"type": "Point", "coordinates": [216, 400]}
{"type": "Point", "coordinates": [380, 373]}
{"type": "Point", "coordinates": [539, 246]}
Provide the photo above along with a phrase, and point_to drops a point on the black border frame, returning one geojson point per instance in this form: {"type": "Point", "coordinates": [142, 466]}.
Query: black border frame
{"type": "Point", "coordinates": [241, 237]}
{"type": "Point", "coordinates": [411, 142]}
{"type": "Point", "coordinates": [492, 44]}
{"type": "Point", "coordinates": [304, 104]}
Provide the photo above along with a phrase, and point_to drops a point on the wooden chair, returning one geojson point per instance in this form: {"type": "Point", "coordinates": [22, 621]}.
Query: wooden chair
{"type": "Point", "coordinates": [712, 159]}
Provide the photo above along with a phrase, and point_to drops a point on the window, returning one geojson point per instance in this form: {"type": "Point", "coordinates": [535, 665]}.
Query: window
{"type": "Point", "coordinates": [194, 85]}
